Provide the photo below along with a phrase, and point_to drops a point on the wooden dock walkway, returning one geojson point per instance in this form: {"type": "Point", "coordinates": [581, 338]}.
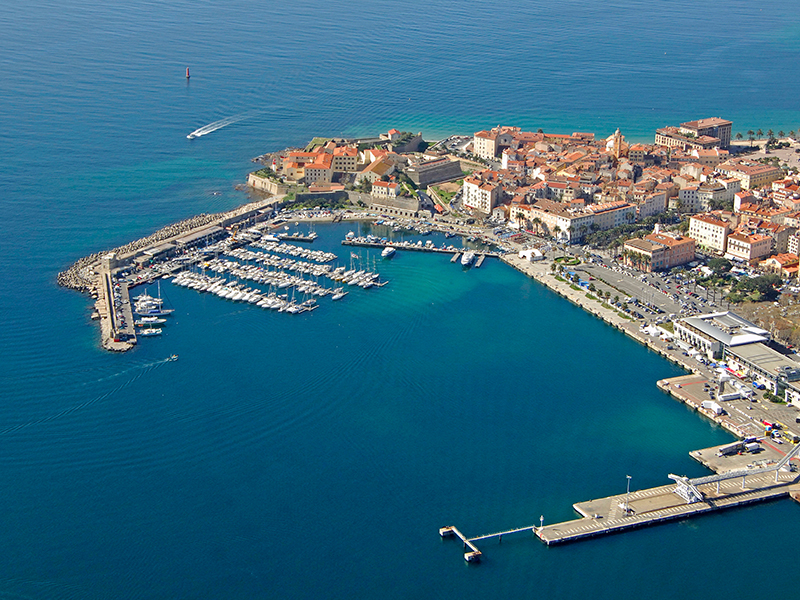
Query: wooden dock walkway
{"type": "Point", "coordinates": [481, 258]}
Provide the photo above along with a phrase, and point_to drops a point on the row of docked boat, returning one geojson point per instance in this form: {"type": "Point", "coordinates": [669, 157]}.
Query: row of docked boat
{"type": "Point", "coordinates": [405, 244]}
{"type": "Point", "coordinates": [406, 226]}
{"type": "Point", "coordinates": [297, 251]}
{"type": "Point", "coordinates": [287, 264]}
{"type": "Point", "coordinates": [362, 278]}
{"type": "Point", "coordinates": [151, 312]}
{"type": "Point", "coordinates": [278, 279]}
{"type": "Point", "coordinates": [237, 292]}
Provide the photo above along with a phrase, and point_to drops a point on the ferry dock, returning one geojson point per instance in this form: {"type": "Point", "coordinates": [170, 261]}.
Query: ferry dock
{"type": "Point", "coordinates": [739, 485]}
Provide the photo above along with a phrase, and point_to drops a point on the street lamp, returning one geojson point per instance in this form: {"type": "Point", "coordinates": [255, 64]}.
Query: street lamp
{"type": "Point", "coordinates": [628, 497]}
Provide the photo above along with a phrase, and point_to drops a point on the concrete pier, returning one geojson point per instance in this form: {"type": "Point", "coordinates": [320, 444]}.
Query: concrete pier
{"type": "Point", "coordinates": [652, 506]}
{"type": "Point", "coordinates": [473, 555]}
{"type": "Point", "coordinates": [740, 480]}
{"type": "Point", "coordinates": [661, 504]}
{"type": "Point", "coordinates": [116, 322]}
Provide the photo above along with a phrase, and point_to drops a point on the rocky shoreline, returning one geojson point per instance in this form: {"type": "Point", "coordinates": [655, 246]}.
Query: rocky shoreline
{"type": "Point", "coordinates": [82, 274]}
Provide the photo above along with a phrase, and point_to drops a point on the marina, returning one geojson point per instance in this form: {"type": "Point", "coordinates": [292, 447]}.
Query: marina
{"type": "Point", "coordinates": [225, 252]}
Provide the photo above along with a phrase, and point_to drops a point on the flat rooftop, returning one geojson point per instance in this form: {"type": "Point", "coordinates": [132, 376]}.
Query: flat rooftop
{"type": "Point", "coordinates": [766, 358]}
{"type": "Point", "coordinates": [728, 328]}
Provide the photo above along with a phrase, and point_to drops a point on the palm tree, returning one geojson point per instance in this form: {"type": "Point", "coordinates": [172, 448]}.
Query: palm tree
{"type": "Point", "coordinates": [537, 221]}
{"type": "Point", "coordinates": [750, 134]}
{"type": "Point", "coordinates": [760, 133]}
{"type": "Point", "coordinates": [770, 134]}
{"type": "Point", "coordinates": [791, 133]}
{"type": "Point", "coordinates": [781, 134]}
{"type": "Point", "coordinates": [739, 135]}
{"type": "Point", "coordinates": [556, 231]}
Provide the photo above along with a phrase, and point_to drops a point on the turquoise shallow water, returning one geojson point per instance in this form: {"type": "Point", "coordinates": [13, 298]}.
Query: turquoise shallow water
{"type": "Point", "coordinates": [316, 456]}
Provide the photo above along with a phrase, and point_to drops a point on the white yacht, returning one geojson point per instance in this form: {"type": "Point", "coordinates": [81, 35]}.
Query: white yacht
{"type": "Point", "coordinates": [150, 331]}
{"type": "Point", "coordinates": [467, 258]}
{"type": "Point", "coordinates": [388, 252]}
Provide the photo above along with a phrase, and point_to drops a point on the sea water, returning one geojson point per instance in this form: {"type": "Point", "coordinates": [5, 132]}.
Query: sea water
{"type": "Point", "coordinates": [317, 455]}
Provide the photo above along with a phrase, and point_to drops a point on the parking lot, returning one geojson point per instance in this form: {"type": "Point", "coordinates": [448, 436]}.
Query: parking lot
{"type": "Point", "coordinates": [658, 296]}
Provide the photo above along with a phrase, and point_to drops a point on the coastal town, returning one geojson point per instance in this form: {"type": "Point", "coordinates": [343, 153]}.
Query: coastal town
{"type": "Point", "coordinates": [668, 242]}
{"type": "Point", "coordinates": [639, 227]}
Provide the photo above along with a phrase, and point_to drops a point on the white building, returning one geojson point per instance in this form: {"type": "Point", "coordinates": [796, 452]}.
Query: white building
{"type": "Point", "coordinates": [481, 192]}
{"type": "Point", "coordinates": [709, 232]}
{"type": "Point", "coordinates": [714, 333]}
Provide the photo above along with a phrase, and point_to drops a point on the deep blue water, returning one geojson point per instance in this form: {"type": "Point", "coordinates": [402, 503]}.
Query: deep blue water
{"type": "Point", "coordinates": [316, 456]}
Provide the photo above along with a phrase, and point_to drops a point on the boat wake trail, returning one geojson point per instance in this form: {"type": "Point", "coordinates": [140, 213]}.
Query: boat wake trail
{"type": "Point", "coordinates": [206, 129]}
{"type": "Point", "coordinates": [143, 369]}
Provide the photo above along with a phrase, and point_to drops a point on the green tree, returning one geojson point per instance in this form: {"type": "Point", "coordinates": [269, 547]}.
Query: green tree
{"type": "Point", "coordinates": [720, 266]}
{"type": "Point", "coordinates": [757, 288]}
{"type": "Point", "coordinates": [760, 133]}
{"type": "Point", "coordinates": [750, 134]}
{"type": "Point", "coordinates": [738, 135]}
{"type": "Point", "coordinates": [781, 134]}
{"type": "Point", "coordinates": [770, 134]}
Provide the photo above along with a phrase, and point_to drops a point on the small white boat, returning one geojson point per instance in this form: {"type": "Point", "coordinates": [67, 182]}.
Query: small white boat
{"type": "Point", "coordinates": [148, 321]}
{"type": "Point", "coordinates": [150, 331]}
{"type": "Point", "coordinates": [388, 252]}
{"type": "Point", "coordinates": [467, 258]}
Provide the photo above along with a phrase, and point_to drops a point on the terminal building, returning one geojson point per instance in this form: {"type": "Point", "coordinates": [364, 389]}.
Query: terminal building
{"type": "Point", "coordinates": [715, 333]}
{"type": "Point", "coordinates": [762, 364]}
{"type": "Point", "coordinates": [744, 346]}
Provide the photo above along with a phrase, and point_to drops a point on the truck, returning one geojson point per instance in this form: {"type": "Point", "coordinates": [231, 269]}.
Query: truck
{"type": "Point", "coordinates": [729, 449]}
{"type": "Point", "coordinates": [754, 447]}
{"type": "Point", "coordinates": [730, 396]}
